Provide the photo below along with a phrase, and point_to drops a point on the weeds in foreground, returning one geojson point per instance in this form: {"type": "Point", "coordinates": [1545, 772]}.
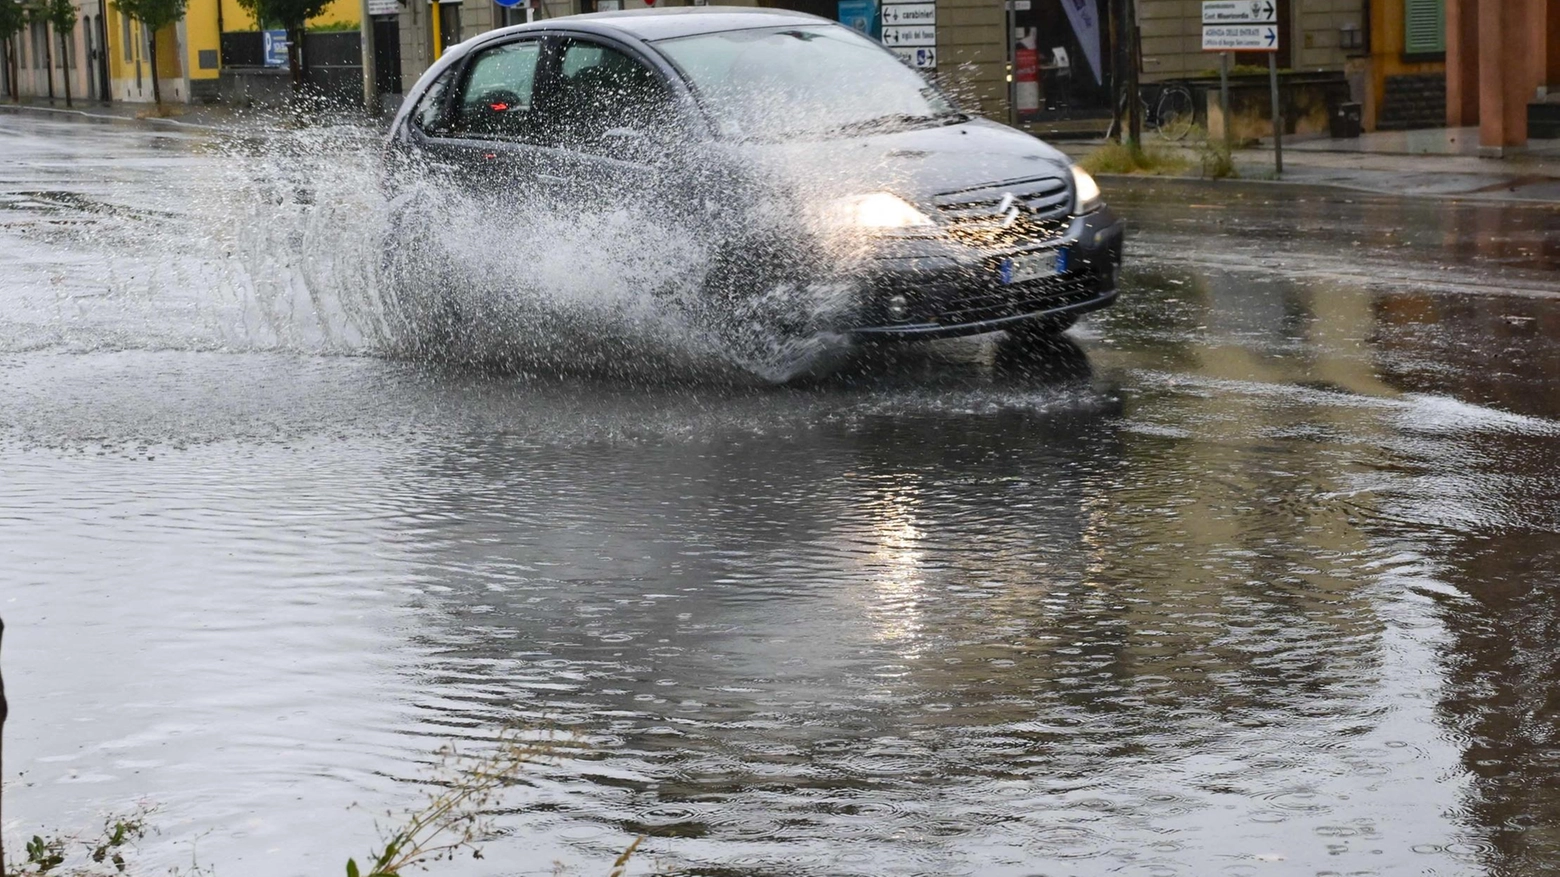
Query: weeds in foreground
{"type": "Point", "coordinates": [465, 790]}
{"type": "Point", "coordinates": [455, 817]}
{"type": "Point", "coordinates": [1124, 158]}
{"type": "Point", "coordinates": [1217, 161]}
{"type": "Point", "coordinates": [71, 855]}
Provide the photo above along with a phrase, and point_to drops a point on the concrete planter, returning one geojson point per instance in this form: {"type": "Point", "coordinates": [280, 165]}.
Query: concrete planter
{"type": "Point", "coordinates": [1306, 101]}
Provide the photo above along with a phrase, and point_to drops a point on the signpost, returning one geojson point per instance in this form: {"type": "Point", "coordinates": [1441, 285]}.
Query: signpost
{"type": "Point", "coordinates": [910, 31]}
{"type": "Point", "coordinates": [1245, 26]}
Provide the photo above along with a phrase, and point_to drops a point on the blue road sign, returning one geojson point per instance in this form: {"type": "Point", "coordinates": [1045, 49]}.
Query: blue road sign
{"type": "Point", "coordinates": [275, 42]}
{"type": "Point", "coordinates": [860, 16]}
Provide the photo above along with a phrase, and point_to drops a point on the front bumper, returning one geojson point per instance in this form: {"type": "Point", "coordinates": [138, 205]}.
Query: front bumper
{"type": "Point", "coordinates": [938, 287]}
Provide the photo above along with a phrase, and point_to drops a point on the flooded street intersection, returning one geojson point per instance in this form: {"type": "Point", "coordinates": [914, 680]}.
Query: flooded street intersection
{"type": "Point", "coordinates": [1257, 575]}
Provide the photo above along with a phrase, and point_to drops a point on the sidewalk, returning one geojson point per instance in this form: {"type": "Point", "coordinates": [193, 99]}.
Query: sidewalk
{"type": "Point", "coordinates": [207, 117]}
{"type": "Point", "coordinates": [1439, 162]}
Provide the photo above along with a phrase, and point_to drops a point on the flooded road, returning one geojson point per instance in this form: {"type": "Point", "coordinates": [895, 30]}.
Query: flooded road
{"type": "Point", "coordinates": [1260, 574]}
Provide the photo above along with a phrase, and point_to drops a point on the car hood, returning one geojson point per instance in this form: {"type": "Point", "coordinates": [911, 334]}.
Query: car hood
{"type": "Point", "coordinates": [914, 164]}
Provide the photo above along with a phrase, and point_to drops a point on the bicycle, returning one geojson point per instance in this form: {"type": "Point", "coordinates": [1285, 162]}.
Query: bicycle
{"type": "Point", "coordinates": [1166, 107]}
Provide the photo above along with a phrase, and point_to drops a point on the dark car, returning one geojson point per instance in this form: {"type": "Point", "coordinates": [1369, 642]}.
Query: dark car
{"type": "Point", "coordinates": [797, 149]}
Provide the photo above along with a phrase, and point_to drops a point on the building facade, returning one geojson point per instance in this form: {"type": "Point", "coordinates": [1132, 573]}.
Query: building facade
{"type": "Point", "coordinates": [1038, 63]}
{"type": "Point", "coordinates": [109, 55]}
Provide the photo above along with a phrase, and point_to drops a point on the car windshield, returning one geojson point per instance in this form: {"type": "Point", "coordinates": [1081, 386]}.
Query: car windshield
{"type": "Point", "coordinates": [798, 82]}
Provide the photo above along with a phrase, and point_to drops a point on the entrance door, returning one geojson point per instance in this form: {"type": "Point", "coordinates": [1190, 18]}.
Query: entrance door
{"type": "Point", "coordinates": [1062, 59]}
{"type": "Point", "coordinates": [387, 54]}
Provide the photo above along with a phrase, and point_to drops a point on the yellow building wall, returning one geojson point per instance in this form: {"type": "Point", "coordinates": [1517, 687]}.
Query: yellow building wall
{"type": "Point", "coordinates": [202, 31]}
{"type": "Point", "coordinates": [235, 17]}
{"type": "Point", "coordinates": [1387, 41]}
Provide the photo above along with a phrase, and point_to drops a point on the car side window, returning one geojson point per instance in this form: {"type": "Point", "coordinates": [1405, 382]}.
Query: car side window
{"type": "Point", "coordinates": [495, 102]}
{"type": "Point", "coordinates": [600, 90]}
{"type": "Point", "coordinates": [430, 114]}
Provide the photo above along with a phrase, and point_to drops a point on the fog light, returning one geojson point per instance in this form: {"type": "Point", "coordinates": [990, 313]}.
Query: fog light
{"type": "Point", "coordinates": [898, 308]}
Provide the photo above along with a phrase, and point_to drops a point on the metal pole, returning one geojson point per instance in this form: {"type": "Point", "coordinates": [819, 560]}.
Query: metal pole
{"type": "Point", "coordinates": [436, 23]}
{"type": "Point", "coordinates": [1012, 83]}
{"type": "Point", "coordinates": [1135, 120]}
{"type": "Point", "coordinates": [1278, 119]}
{"type": "Point", "coordinates": [370, 74]}
{"type": "Point", "coordinates": [1224, 100]}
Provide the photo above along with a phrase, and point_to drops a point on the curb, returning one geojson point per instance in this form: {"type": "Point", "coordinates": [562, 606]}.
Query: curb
{"type": "Point", "coordinates": [1237, 182]}
{"type": "Point", "coordinates": [112, 117]}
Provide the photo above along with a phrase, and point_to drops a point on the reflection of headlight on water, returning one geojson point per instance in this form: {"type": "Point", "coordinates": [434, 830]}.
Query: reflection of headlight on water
{"type": "Point", "coordinates": [877, 210]}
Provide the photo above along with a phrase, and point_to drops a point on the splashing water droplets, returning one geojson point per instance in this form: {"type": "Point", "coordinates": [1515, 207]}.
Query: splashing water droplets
{"type": "Point", "coordinates": [316, 256]}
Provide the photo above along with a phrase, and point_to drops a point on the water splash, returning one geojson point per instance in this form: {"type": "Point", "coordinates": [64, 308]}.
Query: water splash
{"type": "Point", "coordinates": [316, 255]}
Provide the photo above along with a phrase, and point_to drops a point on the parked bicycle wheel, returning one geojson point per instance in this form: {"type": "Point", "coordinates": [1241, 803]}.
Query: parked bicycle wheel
{"type": "Point", "coordinates": [1175, 112]}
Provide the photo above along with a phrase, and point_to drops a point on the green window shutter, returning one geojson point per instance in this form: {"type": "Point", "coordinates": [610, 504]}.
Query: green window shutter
{"type": "Point", "coordinates": [1424, 27]}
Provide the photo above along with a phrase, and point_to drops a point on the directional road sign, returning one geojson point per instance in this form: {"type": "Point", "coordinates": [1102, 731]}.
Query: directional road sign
{"type": "Point", "coordinates": [1240, 38]}
{"type": "Point", "coordinates": [909, 36]}
{"type": "Point", "coordinates": [896, 14]}
{"type": "Point", "coordinates": [922, 57]}
{"type": "Point", "coordinates": [1240, 12]}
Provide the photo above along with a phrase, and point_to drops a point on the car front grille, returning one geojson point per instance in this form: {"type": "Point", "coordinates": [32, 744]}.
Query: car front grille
{"type": "Point", "coordinates": [1006, 214]}
{"type": "Point", "coordinates": [991, 303]}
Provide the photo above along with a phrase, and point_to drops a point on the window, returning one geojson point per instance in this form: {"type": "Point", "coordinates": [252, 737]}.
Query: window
{"type": "Point", "coordinates": [127, 42]}
{"type": "Point", "coordinates": [599, 89]}
{"type": "Point", "coordinates": [496, 101]}
{"type": "Point", "coordinates": [785, 83]}
{"type": "Point", "coordinates": [430, 115]}
{"type": "Point", "coordinates": [1424, 27]}
{"type": "Point", "coordinates": [40, 44]}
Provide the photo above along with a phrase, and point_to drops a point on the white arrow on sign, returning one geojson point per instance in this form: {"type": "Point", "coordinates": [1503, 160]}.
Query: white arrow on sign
{"type": "Point", "coordinates": [909, 13]}
{"type": "Point", "coordinates": [1240, 38]}
{"type": "Point", "coordinates": [1239, 12]}
{"type": "Point", "coordinates": [909, 36]}
{"type": "Point", "coordinates": [921, 57]}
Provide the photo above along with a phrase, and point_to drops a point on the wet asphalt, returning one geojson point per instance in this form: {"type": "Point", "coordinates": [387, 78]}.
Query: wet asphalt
{"type": "Point", "coordinates": [1258, 572]}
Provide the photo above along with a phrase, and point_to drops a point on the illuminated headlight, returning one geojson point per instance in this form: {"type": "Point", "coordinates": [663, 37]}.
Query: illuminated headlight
{"type": "Point", "coordinates": [875, 211]}
{"type": "Point", "coordinates": [1086, 192]}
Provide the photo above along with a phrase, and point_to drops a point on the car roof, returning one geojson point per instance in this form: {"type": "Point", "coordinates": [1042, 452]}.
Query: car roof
{"type": "Point", "coordinates": [677, 21]}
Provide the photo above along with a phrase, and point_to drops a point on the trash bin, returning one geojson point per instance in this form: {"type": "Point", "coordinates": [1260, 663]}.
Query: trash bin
{"type": "Point", "coordinates": [1345, 122]}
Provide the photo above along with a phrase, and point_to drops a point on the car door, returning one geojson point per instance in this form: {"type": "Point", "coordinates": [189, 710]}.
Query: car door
{"type": "Point", "coordinates": [613, 130]}
{"type": "Point", "coordinates": [485, 130]}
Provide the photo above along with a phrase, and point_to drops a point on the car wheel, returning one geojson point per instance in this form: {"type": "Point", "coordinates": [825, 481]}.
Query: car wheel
{"type": "Point", "coordinates": [417, 284]}
{"type": "Point", "coordinates": [770, 305]}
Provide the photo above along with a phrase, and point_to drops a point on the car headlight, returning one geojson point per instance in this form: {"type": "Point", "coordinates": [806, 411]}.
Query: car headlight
{"type": "Point", "coordinates": [1086, 192]}
{"type": "Point", "coordinates": [875, 211]}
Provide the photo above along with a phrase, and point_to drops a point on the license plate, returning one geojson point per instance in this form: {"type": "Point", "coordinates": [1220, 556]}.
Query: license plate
{"type": "Point", "coordinates": [1031, 266]}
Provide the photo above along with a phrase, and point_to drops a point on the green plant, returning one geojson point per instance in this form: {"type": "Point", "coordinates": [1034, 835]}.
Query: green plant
{"type": "Point", "coordinates": [1217, 161]}
{"type": "Point", "coordinates": [61, 14]}
{"type": "Point", "coordinates": [75, 856]}
{"type": "Point", "coordinates": [464, 787]}
{"type": "Point", "coordinates": [1122, 158]}
{"type": "Point", "coordinates": [335, 27]}
{"type": "Point", "coordinates": [12, 19]}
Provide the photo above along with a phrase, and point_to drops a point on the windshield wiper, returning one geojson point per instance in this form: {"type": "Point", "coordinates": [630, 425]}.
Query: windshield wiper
{"type": "Point", "coordinates": [898, 121]}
